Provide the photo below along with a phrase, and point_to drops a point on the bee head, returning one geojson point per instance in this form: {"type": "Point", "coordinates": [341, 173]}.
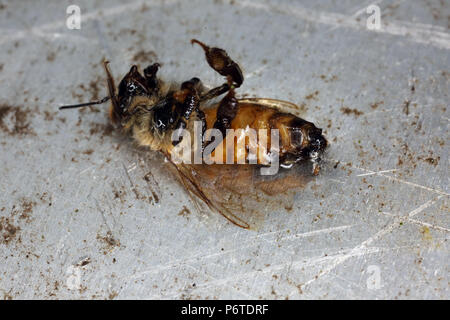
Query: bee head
{"type": "Point", "coordinates": [131, 86]}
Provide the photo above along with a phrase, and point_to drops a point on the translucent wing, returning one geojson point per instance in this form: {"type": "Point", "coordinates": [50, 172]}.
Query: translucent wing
{"type": "Point", "coordinates": [282, 105]}
{"type": "Point", "coordinates": [239, 192]}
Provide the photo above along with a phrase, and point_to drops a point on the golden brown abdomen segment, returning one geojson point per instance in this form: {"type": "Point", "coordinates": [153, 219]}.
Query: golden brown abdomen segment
{"type": "Point", "coordinates": [293, 132]}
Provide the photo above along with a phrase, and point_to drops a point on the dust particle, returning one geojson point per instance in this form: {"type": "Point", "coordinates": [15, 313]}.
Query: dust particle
{"type": "Point", "coordinates": [155, 196]}
{"type": "Point", "coordinates": [426, 233]}
{"type": "Point", "coordinates": [7, 230]}
{"type": "Point", "coordinates": [109, 241]}
{"type": "Point", "coordinates": [349, 111]}
{"type": "Point", "coordinates": [376, 104]}
{"type": "Point", "coordinates": [112, 295]}
{"type": "Point", "coordinates": [328, 79]}
{"type": "Point", "coordinates": [312, 95]}
{"type": "Point", "coordinates": [184, 212]}
{"type": "Point", "coordinates": [51, 56]}
{"type": "Point", "coordinates": [48, 116]}
{"type": "Point", "coordinates": [4, 110]}
{"type": "Point", "coordinates": [103, 129]}
{"type": "Point", "coordinates": [94, 89]}
{"type": "Point", "coordinates": [88, 151]}
{"type": "Point", "coordinates": [18, 124]}
{"type": "Point", "coordinates": [27, 208]}
{"type": "Point", "coordinates": [84, 262]}
{"type": "Point", "coordinates": [406, 107]}
{"type": "Point", "coordinates": [433, 161]}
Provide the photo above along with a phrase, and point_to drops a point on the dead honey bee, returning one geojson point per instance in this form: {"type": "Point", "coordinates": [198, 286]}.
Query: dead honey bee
{"type": "Point", "coordinates": [158, 115]}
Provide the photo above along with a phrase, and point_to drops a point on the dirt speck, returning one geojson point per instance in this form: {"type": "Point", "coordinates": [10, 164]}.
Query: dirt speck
{"type": "Point", "coordinates": [94, 89]}
{"type": "Point", "coordinates": [349, 111]}
{"type": "Point", "coordinates": [152, 184]}
{"type": "Point", "coordinates": [184, 212]}
{"type": "Point", "coordinates": [51, 56]}
{"type": "Point", "coordinates": [432, 161]}
{"type": "Point", "coordinates": [312, 95]}
{"type": "Point", "coordinates": [120, 194]}
{"type": "Point", "coordinates": [14, 120]}
{"type": "Point", "coordinates": [49, 116]}
{"type": "Point", "coordinates": [8, 231]}
{"type": "Point", "coordinates": [406, 107]}
{"type": "Point", "coordinates": [112, 295]}
{"type": "Point", "coordinates": [376, 104]}
{"type": "Point", "coordinates": [101, 128]}
{"type": "Point", "coordinates": [425, 231]}
{"type": "Point", "coordinates": [109, 242]}
{"type": "Point", "coordinates": [27, 209]}
{"type": "Point", "coordinates": [88, 151]}
{"type": "Point", "coordinates": [84, 262]}
{"type": "Point", "coordinates": [329, 78]}
{"type": "Point", "coordinates": [155, 196]}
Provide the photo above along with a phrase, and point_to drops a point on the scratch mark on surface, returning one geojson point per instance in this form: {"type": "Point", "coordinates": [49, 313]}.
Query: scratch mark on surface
{"type": "Point", "coordinates": [359, 12]}
{"type": "Point", "coordinates": [337, 181]}
{"type": "Point", "coordinates": [298, 264]}
{"type": "Point", "coordinates": [417, 32]}
{"type": "Point", "coordinates": [363, 248]}
{"type": "Point", "coordinates": [256, 72]}
{"type": "Point", "coordinates": [397, 179]}
{"type": "Point", "coordinates": [377, 172]}
{"type": "Point", "coordinates": [131, 167]}
{"type": "Point", "coordinates": [316, 232]}
{"type": "Point", "coordinates": [131, 181]}
{"type": "Point", "coordinates": [418, 222]}
{"type": "Point", "coordinates": [248, 296]}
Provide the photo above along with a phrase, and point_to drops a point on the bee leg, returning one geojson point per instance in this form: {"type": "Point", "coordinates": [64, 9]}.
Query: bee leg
{"type": "Point", "coordinates": [211, 94]}
{"type": "Point", "coordinates": [192, 85]}
{"type": "Point", "coordinates": [188, 98]}
{"type": "Point", "coordinates": [188, 101]}
{"type": "Point", "coordinates": [219, 60]}
{"type": "Point", "coordinates": [202, 117]}
{"type": "Point", "coordinates": [226, 112]}
{"type": "Point", "coordinates": [150, 76]}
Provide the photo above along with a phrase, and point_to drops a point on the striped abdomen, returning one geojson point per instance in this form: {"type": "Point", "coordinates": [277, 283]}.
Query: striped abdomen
{"type": "Point", "coordinates": [298, 138]}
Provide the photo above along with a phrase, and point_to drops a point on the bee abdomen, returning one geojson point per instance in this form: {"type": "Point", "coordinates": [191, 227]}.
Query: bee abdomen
{"type": "Point", "coordinates": [298, 138]}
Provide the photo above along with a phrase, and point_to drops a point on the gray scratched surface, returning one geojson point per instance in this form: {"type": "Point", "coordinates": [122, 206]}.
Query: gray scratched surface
{"type": "Point", "coordinates": [84, 213]}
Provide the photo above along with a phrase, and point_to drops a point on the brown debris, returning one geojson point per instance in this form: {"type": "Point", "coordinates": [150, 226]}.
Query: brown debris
{"type": "Point", "coordinates": [19, 124]}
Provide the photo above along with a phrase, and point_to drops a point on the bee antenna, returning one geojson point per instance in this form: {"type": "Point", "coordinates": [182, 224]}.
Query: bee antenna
{"type": "Point", "coordinates": [111, 89]}
{"type": "Point", "coordinates": [85, 104]}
